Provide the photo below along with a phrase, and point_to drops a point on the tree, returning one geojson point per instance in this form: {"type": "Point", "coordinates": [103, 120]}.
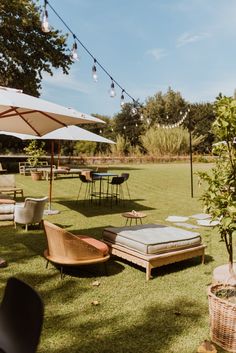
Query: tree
{"type": "Point", "coordinates": [129, 125]}
{"type": "Point", "coordinates": [164, 108]}
{"type": "Point", "coordinates": [27, 52]}
{"type": "Point", "coordinates": [34, 151]}
{"type": "Point", "coordinates": [202, 117]}
{"type": "Point", "coordinates": [220, 195]}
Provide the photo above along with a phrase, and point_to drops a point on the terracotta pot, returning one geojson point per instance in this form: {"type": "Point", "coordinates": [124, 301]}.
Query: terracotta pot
{"type": "Point", "coordinates": [36, 175]}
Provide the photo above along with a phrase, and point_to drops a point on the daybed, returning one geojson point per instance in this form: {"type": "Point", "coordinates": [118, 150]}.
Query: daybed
{"type": "Point", "coordinates": [153, 245]}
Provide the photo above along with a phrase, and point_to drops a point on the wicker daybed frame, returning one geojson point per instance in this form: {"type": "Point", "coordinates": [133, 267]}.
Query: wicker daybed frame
{"type": "Point", "coordinates": [152, 261]}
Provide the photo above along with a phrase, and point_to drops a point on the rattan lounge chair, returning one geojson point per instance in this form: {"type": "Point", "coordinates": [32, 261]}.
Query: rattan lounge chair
{"type": "Point", "coordinates": [67, 249]}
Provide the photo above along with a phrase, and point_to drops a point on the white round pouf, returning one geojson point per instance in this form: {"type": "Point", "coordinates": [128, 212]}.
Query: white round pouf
{"type": "Point", "coordinates": [221, 274]}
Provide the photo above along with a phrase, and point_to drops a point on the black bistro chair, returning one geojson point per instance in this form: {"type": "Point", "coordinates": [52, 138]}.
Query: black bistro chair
{"type": "Point", "coordinates": [116, 188]}
{"type": "Point", "coordinates": [126, 177]}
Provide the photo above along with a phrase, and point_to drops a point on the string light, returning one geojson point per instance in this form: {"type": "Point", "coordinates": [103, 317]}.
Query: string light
{"type": "Point", "coordinates": [45, 24]}
{"type": "Point", "coordinates": [134, 111]}
{"type": "Point", "coordinates": [76, 58]}
{"type": "Point", "coordinates": [175, 125]}
{"type": "Point", "coordinates": [74, 54]}
{"type": "Point", "coordinates": [112, 91]}
{"type": "Point", "coordinates": [94, 71]}
{"type": "Point", "coordinates": [122, 99]}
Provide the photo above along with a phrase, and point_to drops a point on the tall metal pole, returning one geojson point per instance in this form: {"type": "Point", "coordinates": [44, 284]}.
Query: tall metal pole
{"type": "Point", "coordinates": [191, 161]}
{"type": "Point", "coordinates": [190, 152]}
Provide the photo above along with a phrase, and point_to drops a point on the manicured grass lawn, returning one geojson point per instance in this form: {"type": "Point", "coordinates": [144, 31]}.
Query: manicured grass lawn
{"type": "Point", "coordinates": [167, 314]}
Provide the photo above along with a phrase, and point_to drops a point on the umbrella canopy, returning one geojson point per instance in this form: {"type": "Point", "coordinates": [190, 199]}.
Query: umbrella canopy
{"type": "Point", "coordinates": [26, 114]}
{"type": "Point", "coordinates": [73, 133]}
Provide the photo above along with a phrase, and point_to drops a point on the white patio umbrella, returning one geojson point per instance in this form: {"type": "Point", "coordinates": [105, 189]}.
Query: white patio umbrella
{"type": "Point", "coordinates": [26, 114]}
{"type": "Point", "coordinates": [71, 133]}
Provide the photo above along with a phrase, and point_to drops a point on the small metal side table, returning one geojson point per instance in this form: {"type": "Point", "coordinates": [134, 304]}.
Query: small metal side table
{"type": "Point", "coordinates": [133, 215]}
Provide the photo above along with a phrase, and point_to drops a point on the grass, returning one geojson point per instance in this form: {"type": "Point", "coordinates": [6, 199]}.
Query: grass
{"type": "Point", "coordinates": [167, 314]}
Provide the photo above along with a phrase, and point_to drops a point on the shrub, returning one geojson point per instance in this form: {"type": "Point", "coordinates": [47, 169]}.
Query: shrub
{"type": "Point", "coordinates": [121, 147]}
{"type": "Point", "coordinates": [159, 141]}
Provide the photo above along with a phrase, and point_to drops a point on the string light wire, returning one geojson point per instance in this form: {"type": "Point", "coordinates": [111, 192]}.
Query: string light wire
{"type": "Point", "coordinates": [91, 55]}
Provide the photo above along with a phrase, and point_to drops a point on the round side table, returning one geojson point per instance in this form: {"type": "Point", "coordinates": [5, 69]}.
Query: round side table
{"type": "Point", "coordinates": [133, 215]}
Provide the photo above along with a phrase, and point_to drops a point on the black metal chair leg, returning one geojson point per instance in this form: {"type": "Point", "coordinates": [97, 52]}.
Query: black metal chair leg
{"type": "Point", "coordinates": [61, 271]}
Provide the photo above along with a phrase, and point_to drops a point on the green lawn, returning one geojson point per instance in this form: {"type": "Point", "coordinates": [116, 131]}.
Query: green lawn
{"type": "Point", "coordinates": [167, 314]}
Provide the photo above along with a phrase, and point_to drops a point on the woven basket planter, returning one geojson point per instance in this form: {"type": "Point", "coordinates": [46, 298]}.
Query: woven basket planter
{"type": "Point", "coordinates": [222, 318]}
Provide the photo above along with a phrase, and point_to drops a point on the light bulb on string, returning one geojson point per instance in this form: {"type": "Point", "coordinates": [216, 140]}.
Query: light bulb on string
{"type": "Point", "coordinates": [122, 99]}
{"type": "Point", "coordinates": [134, 111]}
{"type": "Point", "coordinates": [74, 54]}
{"type": "Point", "coordinates": [112, 91]}
{"type": "Point", "coordinates": [141, 117]}
{"type": "Point", "coordinates": [94, 71]}
{"type": "Point", "coordinates": [45, 24]}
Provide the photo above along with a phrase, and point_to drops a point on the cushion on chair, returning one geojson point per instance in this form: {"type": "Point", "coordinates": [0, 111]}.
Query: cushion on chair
{"type": "Point", "coordinates": [4, 209]}
{"type": "Point", "coordinates": [96, 243]}
{"type": "Point", "coordinates": [7, 201]}
{"type": "Point", "coordinates": [152, 238]}
{"type": "Point", "coordinates": [7, 217]}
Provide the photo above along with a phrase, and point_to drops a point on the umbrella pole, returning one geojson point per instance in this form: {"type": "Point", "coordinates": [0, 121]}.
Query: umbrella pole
{"type": "Point", "coordinates": [51, 176]}
{"type": "Point", "coordinates": [50, 211]}
{"type": "Point", "coordinates": [58, 153]}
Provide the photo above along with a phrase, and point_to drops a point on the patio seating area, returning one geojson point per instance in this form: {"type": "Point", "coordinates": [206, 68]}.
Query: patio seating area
{"type": "Point", "coordinates": [95, 308]}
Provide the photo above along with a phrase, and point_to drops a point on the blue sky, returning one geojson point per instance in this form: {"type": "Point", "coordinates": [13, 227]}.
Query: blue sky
{"type": "Point", "coordinates": [147, 46]}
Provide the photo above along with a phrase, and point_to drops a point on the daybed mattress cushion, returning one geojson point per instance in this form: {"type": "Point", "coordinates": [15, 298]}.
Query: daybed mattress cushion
{"type": "Point", "coordinates": [152, 238]}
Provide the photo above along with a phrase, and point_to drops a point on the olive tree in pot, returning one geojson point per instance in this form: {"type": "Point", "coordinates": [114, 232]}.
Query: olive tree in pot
{"type": "Point", "coordinates": [219, 199]}
{"type": "Point", "coordinates": [34, 151]}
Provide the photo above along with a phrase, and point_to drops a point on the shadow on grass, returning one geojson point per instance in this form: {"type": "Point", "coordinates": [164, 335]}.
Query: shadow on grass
{"type": "Point", "coordinates": [154, 331]}
{"type": "Point", "coordinates": [106, 269]}
{"type": "Point", "coordinates": [92, 209]}
{"type": "Point", "coordinates": [170, 268]}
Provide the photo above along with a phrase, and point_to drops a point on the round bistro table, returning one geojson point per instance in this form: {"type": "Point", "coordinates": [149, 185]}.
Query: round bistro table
{"type": "Point", "coordinates": [133, 215]}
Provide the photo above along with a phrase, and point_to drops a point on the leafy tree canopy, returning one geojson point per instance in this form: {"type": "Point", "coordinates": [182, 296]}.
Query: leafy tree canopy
{"type": "Point", "coordinates": [27, 52]}
{"type": "Point", "coordinates": [202, 116]}
{"type": "Point", "coordinates": [129, 125]}
{"type": "Point", "coordinates": [164, 108]}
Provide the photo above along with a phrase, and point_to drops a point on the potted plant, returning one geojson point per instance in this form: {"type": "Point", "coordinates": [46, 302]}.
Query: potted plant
{"type": "Point", "coordinates": [35, 150]}
{"type": "Point", "coordinates": [219, 199]}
